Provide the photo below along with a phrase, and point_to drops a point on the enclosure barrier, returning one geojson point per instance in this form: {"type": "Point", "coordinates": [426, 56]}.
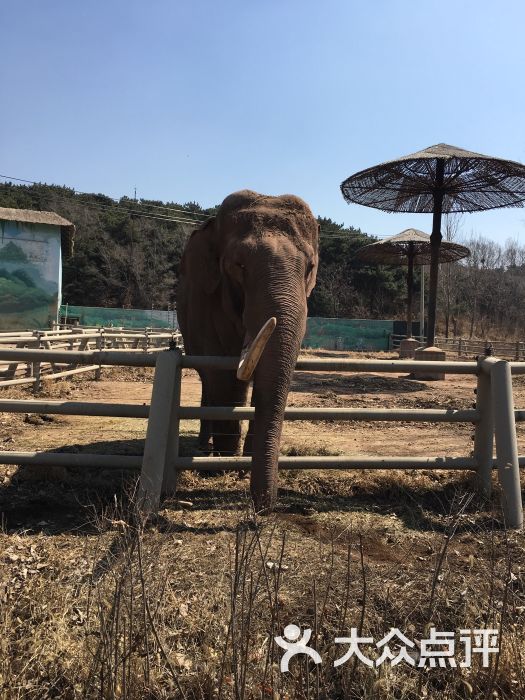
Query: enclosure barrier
{"type": "Point", "coordinates": [468, 347]}
{"type": "Point", "coordinates": [494, 416]}
{"type": "Point", "coordinates": [34, 371]}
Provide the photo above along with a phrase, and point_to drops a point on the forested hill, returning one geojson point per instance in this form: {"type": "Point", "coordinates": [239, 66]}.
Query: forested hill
{"type": "Point", "coordinates": [127, 254]}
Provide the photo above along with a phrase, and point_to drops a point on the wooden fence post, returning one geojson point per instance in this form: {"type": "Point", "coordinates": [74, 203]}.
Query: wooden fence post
{"type": "Point", "coordinates": [484, 433]}
{"type": "Point", "coordinates": [158, 474]}
{"type": "Point", "coordinates": [100, 347]}
{"type": "Point", "coordinates": [36, 375]}
{"type": "Point", "coordinates": [506, 443]}
{"type": "Point", "coordinates": [37, 367]}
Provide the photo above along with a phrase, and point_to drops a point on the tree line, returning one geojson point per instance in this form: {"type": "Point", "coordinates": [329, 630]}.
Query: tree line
{"type": "Point", "coordinates": [483, 296]}
{"type": "Point", "coordinates": [127, 254]}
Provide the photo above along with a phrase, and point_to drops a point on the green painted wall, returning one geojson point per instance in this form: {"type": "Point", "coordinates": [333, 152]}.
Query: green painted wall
{"type": "Point", "coordinates": [30, 275]}
{"type": "Point", "coordinates": [347, 334]}
{"type": "Point", "coordinates": [128, 318]}
{"type": "Point", "coordinates": [328, 333]}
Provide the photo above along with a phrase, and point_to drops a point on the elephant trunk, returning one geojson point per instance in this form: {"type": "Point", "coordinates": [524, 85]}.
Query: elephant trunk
{"type": "Point", "coordinates": [271, 385]}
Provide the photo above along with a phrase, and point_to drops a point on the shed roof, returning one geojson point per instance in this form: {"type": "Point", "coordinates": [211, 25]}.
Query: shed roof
{"type": "Point", "coordinates": [30, 216]}
{"type": "Point", "coordinates": [33, 217]}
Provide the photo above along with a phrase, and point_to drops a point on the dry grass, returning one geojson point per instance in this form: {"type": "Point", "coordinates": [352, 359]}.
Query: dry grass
{"type": "Point", "coordinates": [188, 606]}
{"type": "Point", "coordinates": [94, 603]}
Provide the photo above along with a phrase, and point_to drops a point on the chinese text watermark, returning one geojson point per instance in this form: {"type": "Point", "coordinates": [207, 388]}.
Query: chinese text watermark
{"type": "Point", "coordinates": [439, 649]}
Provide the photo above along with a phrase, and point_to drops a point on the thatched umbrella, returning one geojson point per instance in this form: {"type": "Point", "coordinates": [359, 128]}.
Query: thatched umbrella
{"type": "Point", "coordinates": [410, 247]}
{"type": "Point", "coordinates": [440, 179]}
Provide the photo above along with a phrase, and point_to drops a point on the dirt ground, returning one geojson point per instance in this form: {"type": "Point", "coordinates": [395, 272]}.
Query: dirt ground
{"type": "Point", "coordinates": [369, 549]}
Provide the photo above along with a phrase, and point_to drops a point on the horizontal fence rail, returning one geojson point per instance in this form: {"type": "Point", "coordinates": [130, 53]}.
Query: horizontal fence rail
{"type": "Point", "coordinates": [208, 463]}
{"type": "Point", "coordinates": [429, 415]}
{"type": "Point", "coordinates": [343, 365]}
{"type": "Point", "coordinates": [75, 408]}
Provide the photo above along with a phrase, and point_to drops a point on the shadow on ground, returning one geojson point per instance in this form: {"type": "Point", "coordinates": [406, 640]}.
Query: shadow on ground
{"type": "Point", "coordinates": [354, 383]}
{"type": "Point", "coordinates": [58, 499]}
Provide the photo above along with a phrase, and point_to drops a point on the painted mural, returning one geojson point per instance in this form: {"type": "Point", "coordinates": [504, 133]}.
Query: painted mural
{"type": "Point", "coordinates": [30, 275]}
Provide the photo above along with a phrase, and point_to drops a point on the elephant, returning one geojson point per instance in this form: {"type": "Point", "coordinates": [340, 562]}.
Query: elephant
{"type": "Point", "coordinates": [245, 277]}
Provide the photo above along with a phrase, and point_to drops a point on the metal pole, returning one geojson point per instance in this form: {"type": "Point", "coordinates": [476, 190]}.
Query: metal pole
{"type": "Point", "coordinates": [245, 463]}
{"type": "Point", "coordinates": [506, 442]}
{"type": "Point", "coordinates": [410, 285]}
{"type": "Point", "coordinates": [71, 459]}
{"type": "Point", "coordinates": [430, 415]}
{"type": "Point", "coordinates": [422, 306]}
{"type": "Point", "coordinates": [162, 438]}
{"type": "Point", "coordinates": [103, 357]}
{"type": "Point", "coordinates": [323, 365]}
{"type": "Point", "coordinates": [435, 245]}
{"type": "Point", "coordinates": [75, 408]}
{"type": "Point", "coordinates": [484, 433]}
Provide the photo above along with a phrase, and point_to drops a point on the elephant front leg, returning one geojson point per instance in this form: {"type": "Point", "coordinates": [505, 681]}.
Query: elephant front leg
{"type": "Point", "coordinates": [248, 440]}
{"type": "Point", "coordinates": [226, 438]}
{"type": "Point", "coordinates": [205, 431]}
{"type": "Point", "coordinates": [227, 391]}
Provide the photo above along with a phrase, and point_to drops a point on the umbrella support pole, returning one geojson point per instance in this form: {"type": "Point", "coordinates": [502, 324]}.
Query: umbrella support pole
{"type": "Point", "coordinates": [422, 306]}
{"type": "Point", "coordinates": [435, 244]}
{"type": "Point", "coordinates": [410, 285]}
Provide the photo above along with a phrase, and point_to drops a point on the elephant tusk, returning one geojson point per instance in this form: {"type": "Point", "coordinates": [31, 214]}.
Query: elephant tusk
{"type": "Point", "coordinates": [251, 355]}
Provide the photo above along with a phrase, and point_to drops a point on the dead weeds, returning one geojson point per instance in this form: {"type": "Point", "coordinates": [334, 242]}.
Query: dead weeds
{"type": "Point", "coordinates": [95, 603]}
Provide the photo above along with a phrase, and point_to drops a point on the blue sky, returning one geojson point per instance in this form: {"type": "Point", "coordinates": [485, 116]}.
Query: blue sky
{"type": "Point", "coordinates": [193, 99]}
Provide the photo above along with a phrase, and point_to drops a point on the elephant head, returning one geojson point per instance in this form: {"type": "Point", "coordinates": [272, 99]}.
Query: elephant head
{"type": "Point", "coordinates": [257, 260]}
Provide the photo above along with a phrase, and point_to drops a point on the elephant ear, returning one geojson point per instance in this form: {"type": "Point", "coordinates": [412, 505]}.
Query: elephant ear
{"type": "Point", "coordinates": [200, 260]}
{"type": "Point", "coordinates": [311, 276]}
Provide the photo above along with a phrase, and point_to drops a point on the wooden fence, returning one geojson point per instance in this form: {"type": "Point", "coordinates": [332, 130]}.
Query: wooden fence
{"type": "Point", "coordinates": [493, 417]}
{"type": "Point", "coordinates": [75, 338]}
{"type": "Point", "coordinates": [467, 347]}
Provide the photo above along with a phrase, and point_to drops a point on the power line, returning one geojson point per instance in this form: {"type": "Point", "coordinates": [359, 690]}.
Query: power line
{"type": "Point", "coordinates": [114, 199]}
{"type": "Point", "coordinates": [334, 234]}
{"type": "Point", "coordinates": [122, 207]}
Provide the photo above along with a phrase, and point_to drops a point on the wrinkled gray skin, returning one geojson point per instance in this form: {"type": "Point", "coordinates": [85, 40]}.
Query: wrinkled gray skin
{"type": "Point", "coordinates": [256, 259]}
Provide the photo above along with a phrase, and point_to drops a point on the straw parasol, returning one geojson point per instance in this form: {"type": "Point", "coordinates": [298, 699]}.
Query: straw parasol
{"type": "Point", "coordinates": [410, 247]}
{"type": "Point", "coordinates": [440, 179]}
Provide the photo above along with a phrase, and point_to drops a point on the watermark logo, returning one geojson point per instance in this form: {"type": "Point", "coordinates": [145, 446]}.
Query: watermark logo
{"type": "Point", "coordinates": [294, 645]}
{"type": "Point", "coordinates": [437, 650]}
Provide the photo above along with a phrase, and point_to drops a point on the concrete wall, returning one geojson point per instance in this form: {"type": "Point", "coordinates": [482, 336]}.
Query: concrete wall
{"type": "Point", "coordinates": [30, 275]}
